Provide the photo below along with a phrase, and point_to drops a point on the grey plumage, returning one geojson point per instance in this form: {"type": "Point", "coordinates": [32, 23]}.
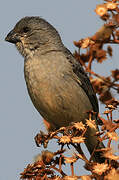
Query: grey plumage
{"type": "Point", "coordinates": [57, 84]}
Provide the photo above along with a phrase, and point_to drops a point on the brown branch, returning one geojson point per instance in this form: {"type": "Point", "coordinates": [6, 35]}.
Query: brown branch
{"type": "Point", "coordinates": [102, 78]}
{"type": "Point", "coordinates": [58, 170]}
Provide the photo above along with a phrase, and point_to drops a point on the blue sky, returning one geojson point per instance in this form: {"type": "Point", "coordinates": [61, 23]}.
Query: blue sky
{"type": "Point", "coordinates": [20, 122]}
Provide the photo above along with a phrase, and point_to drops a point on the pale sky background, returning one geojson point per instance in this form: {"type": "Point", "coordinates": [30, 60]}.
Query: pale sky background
{"type": "Point", "coordinates": [20, 122]}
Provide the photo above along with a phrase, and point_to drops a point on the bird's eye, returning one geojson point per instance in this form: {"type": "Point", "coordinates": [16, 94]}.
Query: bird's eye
{"type": "Point", "coordinates": [26, 29]}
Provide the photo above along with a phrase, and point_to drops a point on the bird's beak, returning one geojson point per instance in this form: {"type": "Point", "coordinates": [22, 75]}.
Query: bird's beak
{"type": "Point", "coordinates": [12, 37]}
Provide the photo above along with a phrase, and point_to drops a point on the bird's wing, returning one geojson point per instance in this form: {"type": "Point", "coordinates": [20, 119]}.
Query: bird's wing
{"type": "Point", "coordinates": [83, 78]}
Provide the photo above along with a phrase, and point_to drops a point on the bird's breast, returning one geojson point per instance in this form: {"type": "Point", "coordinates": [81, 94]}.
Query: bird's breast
{"type": "Point", "coordinates": [44, 85]}
{"type": "Point", "coordinates": [55, 93]}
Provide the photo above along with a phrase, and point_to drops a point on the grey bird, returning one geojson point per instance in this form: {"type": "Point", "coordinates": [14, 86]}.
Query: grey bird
{"type": "Point", "coordinates": [57, 84]}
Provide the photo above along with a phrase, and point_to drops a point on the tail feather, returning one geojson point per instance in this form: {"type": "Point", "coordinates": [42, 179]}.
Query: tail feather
{"type": "Point", "coordinates": [92, 143]}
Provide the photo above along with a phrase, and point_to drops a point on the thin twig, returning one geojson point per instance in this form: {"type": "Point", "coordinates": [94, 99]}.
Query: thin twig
{"type": "Point", "coordinates": [104, 79]}
{"type": "Point", "coordinates": [58, 170]}
{"type": "Point", "coordinates": [72, 169]}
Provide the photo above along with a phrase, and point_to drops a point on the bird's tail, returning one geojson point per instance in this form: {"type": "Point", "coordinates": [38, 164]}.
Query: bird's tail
{"type": "Point", "coordinates": [92, 143]}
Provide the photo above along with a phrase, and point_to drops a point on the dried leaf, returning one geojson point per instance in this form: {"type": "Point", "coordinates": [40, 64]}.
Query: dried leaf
{"type": "Point", "coordinates": [91, 123]}
{"type": "Point", "coordinates": [111, 107]}
{"type": "Point", "coordinates": [113, 175]}
{"type": "Point", "coordinates": [100, 168]}
{"type": "Point", "coordinates": [111, 5]}
{"type": "Point", "coordinates": [70, 178]}
{"type": "Point", "coordinates": [113, 136]}
{"type": "Point", "coordinates": [101, 9]}
{"type": "Point", "coordinates": [79, 126]}
{"type": "Point", "coordinates": [103, 33]}
{"type": "Point", "coordinates": [105, 97]}
{"type": "Point", "coordinates": [115, 74]}
{"type": "Point", "coordinates": [87, 42]}
{"type": "Point", "coordinates": [47, 156]}
{"type": "Point", "coordinates": [78, 44]}
{"type": "Point", "coordinates": [78, 139]}
{"type": "Point", "coordinates": [97, 85]}
{"type": "Point", "coordinates": [85, 178]}
{"type": "Point", "coordinates": [101, 55]}
{"type": "Point", "coordinates": [109, 50]}
{"type": "Point", "coordinates": [65, 139]}
{"type": "Point", "coordinates": [70, 159]}
{"type": "Point", "coordinates": [111, 156]}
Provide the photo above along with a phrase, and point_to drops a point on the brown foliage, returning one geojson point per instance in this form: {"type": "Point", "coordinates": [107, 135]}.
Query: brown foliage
{"type": "Point", "coordinates": [107, 34]}
{"type": "Point", "coordinates": [48, 164]}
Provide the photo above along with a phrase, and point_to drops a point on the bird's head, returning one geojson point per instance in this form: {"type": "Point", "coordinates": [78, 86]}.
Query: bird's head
{"type": "Point", "coordinates": [34, 33]}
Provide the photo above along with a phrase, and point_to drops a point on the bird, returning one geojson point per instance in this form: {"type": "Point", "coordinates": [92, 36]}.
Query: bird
{"type": "Point", "coordinates": [57, 84]}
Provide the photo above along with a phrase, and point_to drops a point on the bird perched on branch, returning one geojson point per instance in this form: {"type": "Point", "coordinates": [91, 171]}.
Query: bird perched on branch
{"type": "Point", "coordinates": [57, 84]}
